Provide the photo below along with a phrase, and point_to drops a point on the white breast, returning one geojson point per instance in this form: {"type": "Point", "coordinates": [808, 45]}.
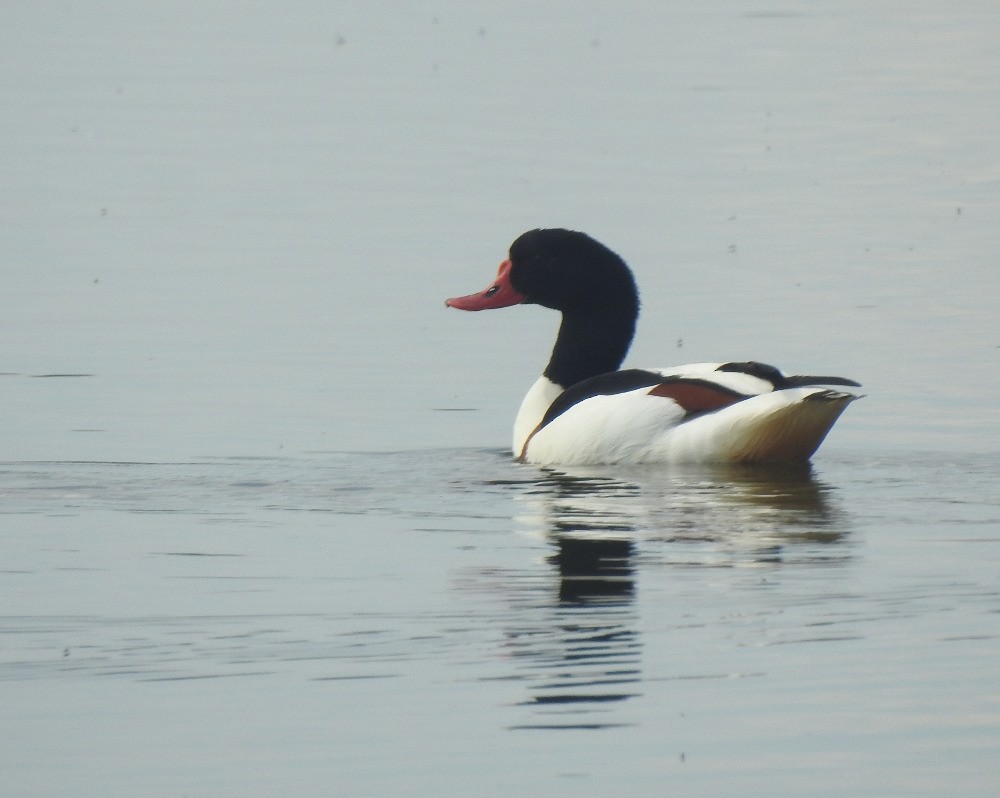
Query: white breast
{"type": "Point", "coordinates": [542, 394]}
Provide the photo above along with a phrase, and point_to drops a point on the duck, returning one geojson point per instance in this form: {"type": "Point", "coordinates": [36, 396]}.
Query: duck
{"type": "Point", "coordinates": [586, 410]}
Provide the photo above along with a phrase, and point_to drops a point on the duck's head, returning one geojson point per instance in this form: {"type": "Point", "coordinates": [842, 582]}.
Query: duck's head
{"type": "Point", "coordinates": [559, 269]}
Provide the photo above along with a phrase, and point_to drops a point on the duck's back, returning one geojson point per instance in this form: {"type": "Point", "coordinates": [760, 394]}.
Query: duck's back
{"type": "Point", "coordinates": [693, 413]}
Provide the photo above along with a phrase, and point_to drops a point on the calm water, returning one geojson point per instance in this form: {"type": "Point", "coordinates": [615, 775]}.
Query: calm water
{"type": "Point", "coordinates": [259, 531]}
{"type": "Point", "coordinates": [452, 622]}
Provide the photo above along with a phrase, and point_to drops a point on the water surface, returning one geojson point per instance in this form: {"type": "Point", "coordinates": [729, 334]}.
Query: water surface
{"type": "Point", "coordinates": [457, 621]}
{"type": "Point", "coordinates": [260, 532]}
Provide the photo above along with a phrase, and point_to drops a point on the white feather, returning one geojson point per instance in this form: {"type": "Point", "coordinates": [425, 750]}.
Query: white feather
{"type": "Point", "coordinates": [635, 427]}
{"type": "Point", "coordinates": [734, 380]}
{"type": "Point", "coordinates": [536, 401]}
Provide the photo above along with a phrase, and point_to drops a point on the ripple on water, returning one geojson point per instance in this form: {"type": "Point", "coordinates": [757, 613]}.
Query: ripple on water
{"type": "Point", "coordinates": [555, 590]}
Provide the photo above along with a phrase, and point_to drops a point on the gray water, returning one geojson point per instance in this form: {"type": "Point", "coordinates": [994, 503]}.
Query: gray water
{"type": "Point", "coordinates": [260, 532]}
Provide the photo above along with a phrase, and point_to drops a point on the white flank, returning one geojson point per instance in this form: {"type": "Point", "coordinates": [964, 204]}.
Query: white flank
{"type": "Point", "coordinates": [634, 427]}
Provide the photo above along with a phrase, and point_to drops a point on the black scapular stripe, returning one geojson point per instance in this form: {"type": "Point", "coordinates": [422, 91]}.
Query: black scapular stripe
{"type": "Point", "coordinates": [615, 382]}
{"type": "Point", "coordinates": [779, 380]}
{"type": "Point", "coordinates": [607, 384]}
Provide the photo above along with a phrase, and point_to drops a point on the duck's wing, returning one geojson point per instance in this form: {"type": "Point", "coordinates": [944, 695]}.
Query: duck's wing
{"type": "Point", "coordinates": [732, 412]}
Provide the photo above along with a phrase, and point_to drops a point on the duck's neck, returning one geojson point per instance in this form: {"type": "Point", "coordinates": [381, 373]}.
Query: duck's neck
{"type": "Point", "coordinates": [590, 343]}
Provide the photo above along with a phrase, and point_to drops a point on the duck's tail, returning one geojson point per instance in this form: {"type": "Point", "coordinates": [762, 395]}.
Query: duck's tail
{"type": "Point", "coordinates": [784, 426]}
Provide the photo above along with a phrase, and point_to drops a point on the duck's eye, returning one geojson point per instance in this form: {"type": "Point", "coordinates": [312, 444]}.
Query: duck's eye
{"type": "Point", "coordinates": [491, 291]}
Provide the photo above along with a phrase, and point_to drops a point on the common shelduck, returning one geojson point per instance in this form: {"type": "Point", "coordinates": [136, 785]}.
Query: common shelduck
{"type": "Point", "coordinates": [583, 410]}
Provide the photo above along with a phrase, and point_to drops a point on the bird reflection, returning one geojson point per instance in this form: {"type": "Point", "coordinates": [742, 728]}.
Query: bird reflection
{"type": "Point", "coordinates": [736, 515]}
{"type": "Point", "coordinates": [581, 649]}
{"type": "Point", "coordinates": [594, 569]}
